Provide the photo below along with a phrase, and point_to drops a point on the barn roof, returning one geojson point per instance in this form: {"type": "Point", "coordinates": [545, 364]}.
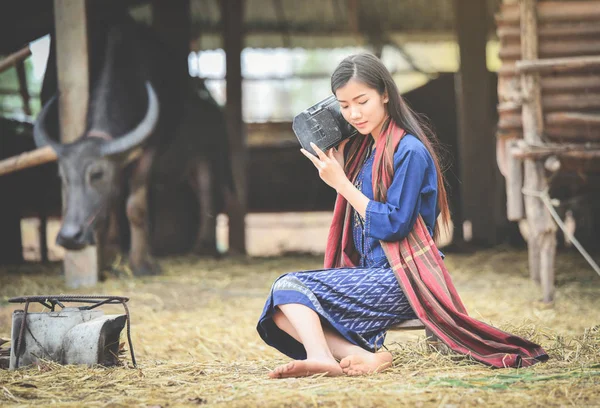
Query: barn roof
{"type": "Point", "coordinates": [326, 23]}
{"type": "Point", "coordinates": [271, 23]}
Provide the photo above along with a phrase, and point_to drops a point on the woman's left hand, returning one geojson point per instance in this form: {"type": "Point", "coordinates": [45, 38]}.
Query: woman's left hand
{"type": "Point", "coordinates": [330, 170]}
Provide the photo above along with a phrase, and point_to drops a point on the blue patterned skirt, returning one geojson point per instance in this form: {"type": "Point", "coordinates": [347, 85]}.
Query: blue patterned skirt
{"type": "Point", "coordinates": [360, 303]}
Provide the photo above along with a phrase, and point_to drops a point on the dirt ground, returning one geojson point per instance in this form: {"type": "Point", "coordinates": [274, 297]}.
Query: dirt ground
{"type": "Point", "coordinates": [195, 340]}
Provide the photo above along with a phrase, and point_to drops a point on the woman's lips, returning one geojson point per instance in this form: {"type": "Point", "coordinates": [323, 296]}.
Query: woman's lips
{"type": "Point", "coordinates": [360, 124]}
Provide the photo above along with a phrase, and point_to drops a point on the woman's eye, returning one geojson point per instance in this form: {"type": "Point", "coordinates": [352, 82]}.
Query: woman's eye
{"type": "Point", "coordinates": [344, 107]}
{"type": "Point", "coordinates": [363, 102]}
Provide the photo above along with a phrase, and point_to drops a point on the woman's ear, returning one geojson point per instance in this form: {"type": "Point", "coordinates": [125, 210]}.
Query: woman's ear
{"type": "Point", "coordinates": [386, 98]}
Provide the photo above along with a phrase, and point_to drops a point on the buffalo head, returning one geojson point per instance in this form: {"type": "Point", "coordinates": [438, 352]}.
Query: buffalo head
{"type": "Point", "coordinates": [90, 170]}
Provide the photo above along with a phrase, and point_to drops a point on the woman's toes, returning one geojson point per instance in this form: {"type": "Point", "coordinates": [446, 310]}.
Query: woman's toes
{"type": "Point", "coordinates": [282, 369]}
{"type": "Point", "coordinates": [346, 362]}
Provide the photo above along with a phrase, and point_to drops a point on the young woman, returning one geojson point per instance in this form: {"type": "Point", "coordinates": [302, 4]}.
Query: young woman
{"type": "Point", "coordinates": [333, 321]}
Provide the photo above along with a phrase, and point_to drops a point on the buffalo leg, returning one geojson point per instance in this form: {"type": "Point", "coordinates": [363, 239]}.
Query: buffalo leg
{"type": "Point", "coordinates": [140, 261]}
{"type": "Point", "coordinates": [202, 184]}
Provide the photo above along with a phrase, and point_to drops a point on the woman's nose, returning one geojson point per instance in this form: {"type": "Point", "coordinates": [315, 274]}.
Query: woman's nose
{"type": "Point", "coordinates": [354, 113]}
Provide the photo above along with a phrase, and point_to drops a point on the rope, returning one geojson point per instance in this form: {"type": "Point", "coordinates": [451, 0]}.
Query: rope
{"type": "Point", "coordinates": [543, 195]}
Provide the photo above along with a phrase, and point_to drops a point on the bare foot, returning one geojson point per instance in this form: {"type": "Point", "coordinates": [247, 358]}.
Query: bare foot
{"type": "Point", "coordinates": [305, 368]}
{"type": "Point", "coordinates": [361, 364]}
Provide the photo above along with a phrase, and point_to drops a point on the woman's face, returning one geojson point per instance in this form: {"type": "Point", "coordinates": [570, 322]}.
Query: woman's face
{"type": "Point", "coordinates": [362, 106]}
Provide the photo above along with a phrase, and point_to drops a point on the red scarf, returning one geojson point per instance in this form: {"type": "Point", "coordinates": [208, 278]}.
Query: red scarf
{"type": "Point", "coordinates": [422, 275]}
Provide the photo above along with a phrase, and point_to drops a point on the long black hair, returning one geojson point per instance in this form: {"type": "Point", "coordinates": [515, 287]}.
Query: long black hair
{"type": "Point", "coordinates": [369, 69]}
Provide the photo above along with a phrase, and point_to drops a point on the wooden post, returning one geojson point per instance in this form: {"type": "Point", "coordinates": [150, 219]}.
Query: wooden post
{"type": "Point", "coordinates": [22, 75]}
{"type": "Point", "coordinates": [232, 17]}
{"type": "Point", "coordinates": [514, 184]}
{"type": "Point", "coordinates": [70, 20]}
{"type": "Point", "coordinates": [542, 230]}
{"type": "Point", "coordinates": [476, 147]}
{"type": "Point", "coordinates": [171, 20]}
{"type": "Point", "coordinates": [353, 10]}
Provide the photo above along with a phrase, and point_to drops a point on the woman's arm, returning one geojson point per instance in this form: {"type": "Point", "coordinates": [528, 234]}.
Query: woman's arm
{"type": "Point", "coordinates": [355, 197]}
{"type": "Point", "coordinates": [394, 219]}
{"type": "Point", "coordinates": [331, 171]}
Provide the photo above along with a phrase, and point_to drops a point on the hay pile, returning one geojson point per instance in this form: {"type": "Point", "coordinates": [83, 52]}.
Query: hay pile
{"type": "Point", "coordinates": [194, 335]}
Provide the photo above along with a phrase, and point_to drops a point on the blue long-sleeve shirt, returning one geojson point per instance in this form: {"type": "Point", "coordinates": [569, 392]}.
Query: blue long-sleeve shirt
{"type": "Point", "coordinates": [413, 191]}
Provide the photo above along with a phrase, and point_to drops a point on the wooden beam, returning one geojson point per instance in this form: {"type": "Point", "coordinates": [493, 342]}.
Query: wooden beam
{"type": "Point", "coordinates": [22, 75]}
{"type": "Point", "coordinates": [232, 15]}
{"type": "Point", "coordinates": [554, 48]}
{"type": "Point", "coordinates": [70, 20]}
{"type": "Point", "coordinates": [558, 64]}
{"type": "Point", "coordinates": [287, 77]}
{"type": "Point", "coordinates": [542, 153]}
{"type": "Point", "coordinates": [566, 30]}
{"type": "Point", "coordinates": [13, 58]}
{"type": "Point", "coordinates": [514, 120]}
{"type": "Point", "coordinates": [542, 230]}
{"type": "Point", "coordinates": [570, 83]}
{"type": "Point", "coordinates": [574, 118]}
{"type": "Point", "coordinates": [560, 102]}
{"type": "Point", "coordinates": [476, 136]}
{"type": "Point", "coordinates": [553, 11]}
{"type": "Point", "coordinates": [27, 159]}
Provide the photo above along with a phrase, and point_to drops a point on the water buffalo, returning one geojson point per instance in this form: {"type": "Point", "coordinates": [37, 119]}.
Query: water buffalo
{"type": "Point", "coordinates": [153, 161]}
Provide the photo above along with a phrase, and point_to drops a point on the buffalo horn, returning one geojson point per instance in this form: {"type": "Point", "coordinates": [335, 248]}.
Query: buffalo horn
{"type": "Point", "coordinates": [140, 133]}
{"type": "Point", "coordinates": [40, 133]}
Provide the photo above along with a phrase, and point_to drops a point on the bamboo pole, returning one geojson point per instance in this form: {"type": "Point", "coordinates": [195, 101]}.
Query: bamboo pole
{"type": "Point", "coordinates": [13, 58]}
{"type": "Point", "coordinates": [27, 159]}
{"type": "Point", "coordinates": [542, 237]}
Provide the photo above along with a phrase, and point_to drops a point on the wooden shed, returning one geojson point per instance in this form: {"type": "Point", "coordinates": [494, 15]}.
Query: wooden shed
{"type": "Point", "coordinates": [549, 126]}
